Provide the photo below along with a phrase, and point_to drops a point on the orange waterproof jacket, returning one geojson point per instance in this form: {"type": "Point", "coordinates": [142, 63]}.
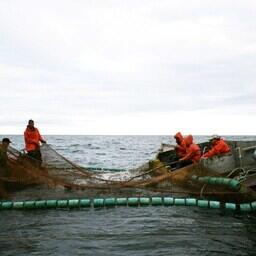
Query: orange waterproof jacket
{"type": "Point", "coordinates": [193, 151]}
{"type": "Point", "coordinates": [32, 138]}
{"type": "Point", "coordinates": [218, 148]}
{"type": "Point", "coordinates": [181, 145]}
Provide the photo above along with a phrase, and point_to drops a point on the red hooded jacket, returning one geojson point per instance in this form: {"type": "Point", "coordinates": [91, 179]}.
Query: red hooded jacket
{"type": "Point", "coordinates": [181, 145]}
{"type": "Point", "coordinates": [193, 151]}
{"type": "Point", "coordinates": [218, 147]}
{"type": "Point", "coordinates": [32, 138]}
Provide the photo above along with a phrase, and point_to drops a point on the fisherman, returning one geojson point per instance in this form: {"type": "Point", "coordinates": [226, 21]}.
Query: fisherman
{"type": "Point", "coordinates": [180, 148]}
{"type": "Point", "coordinates": [193, 152]}
{"type": "Point", "coordinates": [4, 172]}
{"type": "Point", "coordinates": [32, 139]}
{"type": "Point", "coordinates": [218, 147]}
{"type": "Point", "coordinates": [3, 157]}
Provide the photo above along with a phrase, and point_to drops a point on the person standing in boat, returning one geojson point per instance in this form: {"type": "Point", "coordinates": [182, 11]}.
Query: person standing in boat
{"type": "Point", "coordinates": [3, 157]}
{"type": "Point", "coordinates": [4, 172]}
{"type": "Point", "coordinates": [193, 152]}
{"type": "Point", "coordinates": [218, 147]}
{"type": "Point", "coordinates": [32, 139]}
{"type": "Point", "coordinates": [180, 148]}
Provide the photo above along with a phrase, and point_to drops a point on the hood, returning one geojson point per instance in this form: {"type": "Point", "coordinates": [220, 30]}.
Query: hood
{"type": "Point", "coordinates": [179, 138]}
{"type": "Point", "coordinates": [189, 140]}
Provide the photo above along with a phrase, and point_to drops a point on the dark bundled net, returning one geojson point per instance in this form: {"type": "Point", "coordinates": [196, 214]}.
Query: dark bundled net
{"type": "Point", "coordinates": [23, 171]}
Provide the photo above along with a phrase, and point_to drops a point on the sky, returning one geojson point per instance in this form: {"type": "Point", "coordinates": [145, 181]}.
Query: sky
{"type": "Point", "coordinates": [128, 67]}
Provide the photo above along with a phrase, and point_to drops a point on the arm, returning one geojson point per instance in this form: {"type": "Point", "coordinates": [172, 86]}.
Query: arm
{"type": "Point", "coordinates": [188, 156]}
{"type": "Point", "coordinates": [192, 152]}
{"type": "Point", "coordinates": [210, 153]}
{"type": "Point", "coordinates": [40, 137]}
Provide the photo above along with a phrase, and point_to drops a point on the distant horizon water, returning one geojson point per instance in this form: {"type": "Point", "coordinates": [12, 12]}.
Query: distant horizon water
{"type": "Point", "coordinates": [66, 134]}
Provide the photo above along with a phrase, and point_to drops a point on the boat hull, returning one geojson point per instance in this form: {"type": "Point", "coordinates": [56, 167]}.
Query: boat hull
{"type": "Point", "coordinates": [236, 165]}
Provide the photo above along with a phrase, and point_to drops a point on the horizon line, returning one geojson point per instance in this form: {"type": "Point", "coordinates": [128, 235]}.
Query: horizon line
{"type": "Point", "coordinates": [54, 134]}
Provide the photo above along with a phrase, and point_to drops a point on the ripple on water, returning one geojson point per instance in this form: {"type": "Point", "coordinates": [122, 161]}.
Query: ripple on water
{"type": "Point", "coordinates": [121, 230]}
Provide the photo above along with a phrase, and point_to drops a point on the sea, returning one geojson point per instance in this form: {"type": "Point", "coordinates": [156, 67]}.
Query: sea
{"type": "Point", "coordinates": [174, 230]}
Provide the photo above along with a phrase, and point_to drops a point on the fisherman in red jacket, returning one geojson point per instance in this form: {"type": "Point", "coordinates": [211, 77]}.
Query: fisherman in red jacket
{"type": "Point", "coordinates": [32, 139]}
{"type": "Point", "coordinates": [193, 152]}
{"type": "Point", "coordinates": [180, 148]}
{"type": "Point", "coordinates": [218, 147]}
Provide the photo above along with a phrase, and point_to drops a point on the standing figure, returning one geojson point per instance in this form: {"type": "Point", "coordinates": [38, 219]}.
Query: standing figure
{"type": "Point", "coordinates": [4, 172]}
{"type": "Point", "coordinates": [32, 139]}
{"type": "Point", "coordinates": [3, 157]}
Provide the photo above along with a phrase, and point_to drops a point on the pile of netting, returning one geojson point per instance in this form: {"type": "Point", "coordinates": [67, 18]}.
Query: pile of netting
{"type": "Point", "coordinates": [57, 171]}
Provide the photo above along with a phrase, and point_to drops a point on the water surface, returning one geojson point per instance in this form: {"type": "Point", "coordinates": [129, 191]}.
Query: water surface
{"type": "Point", "coordinates": [122, 230]}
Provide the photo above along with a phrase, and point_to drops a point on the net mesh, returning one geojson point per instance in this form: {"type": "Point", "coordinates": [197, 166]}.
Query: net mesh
{"type": "Point", "coordinates": [57, 171]}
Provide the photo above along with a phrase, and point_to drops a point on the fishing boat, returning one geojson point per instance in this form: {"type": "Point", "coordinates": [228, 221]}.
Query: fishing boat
{"type": "Point", "coordinates": [230, 176]}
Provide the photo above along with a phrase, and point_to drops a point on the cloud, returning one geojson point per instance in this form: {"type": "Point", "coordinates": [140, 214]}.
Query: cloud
{"type": "Point", "coordinates": [93, 66]}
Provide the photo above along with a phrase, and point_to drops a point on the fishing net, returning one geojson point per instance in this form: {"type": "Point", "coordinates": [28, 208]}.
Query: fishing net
{"type": "Point", "coordinates": [56, 171]}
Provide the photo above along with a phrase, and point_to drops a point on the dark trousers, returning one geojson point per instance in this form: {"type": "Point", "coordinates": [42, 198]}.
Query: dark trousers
{"type": "Point", "coordinates": [4, 171]}
{"type": "Point", "coordinates": [35, 157]}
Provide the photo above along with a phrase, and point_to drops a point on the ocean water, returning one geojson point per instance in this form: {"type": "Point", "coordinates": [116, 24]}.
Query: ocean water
{"type": "Point", "coordinates": [121, 230]}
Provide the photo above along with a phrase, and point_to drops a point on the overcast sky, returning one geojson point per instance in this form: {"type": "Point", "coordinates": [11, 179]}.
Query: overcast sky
{"type": "Point", "coordinates": [128, 67]}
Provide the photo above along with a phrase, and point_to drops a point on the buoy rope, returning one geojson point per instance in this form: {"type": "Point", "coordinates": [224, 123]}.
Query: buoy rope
{"type": "Point", "coordinates": [130, 201]}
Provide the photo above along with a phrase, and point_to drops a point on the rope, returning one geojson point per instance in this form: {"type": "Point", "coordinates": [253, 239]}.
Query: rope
{"type": "Point", "coordinates": [145, 173]}
{"type": "Point", "coordinates": [78, 168]}
{"type": "Point", "coordinates": [130, 201]}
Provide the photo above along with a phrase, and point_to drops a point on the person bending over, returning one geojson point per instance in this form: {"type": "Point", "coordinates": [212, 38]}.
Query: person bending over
{"type": "Point", "coordinates": [180, 148]}
{"type": "Point", "coordinates": [218, 147]}
{"type": "Point", "coordinates": [193, 152]}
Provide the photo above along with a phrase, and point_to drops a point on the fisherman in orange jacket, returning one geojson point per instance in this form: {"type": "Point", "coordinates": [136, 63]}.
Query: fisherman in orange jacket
{"type": "Point", "coordinates": [218, 147]}
{"type": "Point", "coordinates": [32, 139]}
{"type": "Point", "coordinates": [193, 152]}
{"type": "Point", "coordinates": [180, 148]}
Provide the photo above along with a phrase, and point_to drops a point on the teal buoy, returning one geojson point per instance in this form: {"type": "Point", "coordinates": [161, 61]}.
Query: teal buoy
{"type": "Point", "coordinates": [167, 201]}
{"type": "Point", "coordinates": [110, 202]}
{"type": "Point", "coordinates": [85, 203]}
{"type": "Point", "coordinates": [191, 201]}
{"type": "Point", "coordinates": [230, 206]}
{"type": "Point", "coordinates": [131, 201]}
{"type": "Point", "coordinates": [218, 181]}
{"type": "Point", "coordinates": [155, 201]}
{"type": "Point", "coordinates": [98, 202]}
{"type": "Point", "coordinates": [121, 201]}
{"type": "Point", "coordinates": [214, 204]}
{"type": "Point", "coordinates": [144, 201]}
{"type": "Point", "coordinates": [203, 203]}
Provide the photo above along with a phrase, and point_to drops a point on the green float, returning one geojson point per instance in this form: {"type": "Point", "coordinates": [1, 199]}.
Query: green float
{"type": "Point", "coordinates": [218, 181]}
{"type": "Point", "coordinates": [130, 201]}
